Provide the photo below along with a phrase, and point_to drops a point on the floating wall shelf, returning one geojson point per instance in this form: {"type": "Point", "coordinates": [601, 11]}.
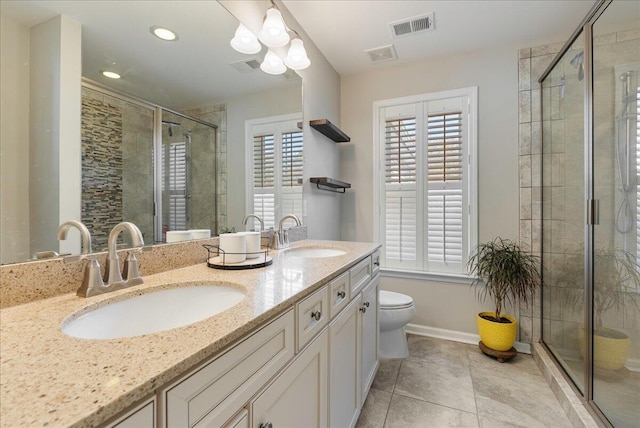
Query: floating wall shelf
{"type": "Point", "coordinates": [330, 184]}
{"type": "Point", "coordinates": [330, 130]}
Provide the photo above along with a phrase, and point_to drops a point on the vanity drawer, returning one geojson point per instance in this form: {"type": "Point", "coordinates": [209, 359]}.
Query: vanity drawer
{"type": "Point", "coordinates": [360, 275]}
{"type": "Point", "coordinates": [312, 315]}
{"type": "Point", "coordinates": [339, 293]}
{"type": "Point", "coordinates": [212, 394]}
{"type": "Point", "coordinates": [375, 263]}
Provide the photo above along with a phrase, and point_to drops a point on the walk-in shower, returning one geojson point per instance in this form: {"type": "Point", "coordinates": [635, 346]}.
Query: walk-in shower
{"type": "Point", "coordinates": [591, 211]}
{"type": "Point", "coordinates": [145, 164]}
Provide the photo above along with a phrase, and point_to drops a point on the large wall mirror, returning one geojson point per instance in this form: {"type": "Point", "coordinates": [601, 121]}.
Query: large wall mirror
{"type": "Point", "coordinates": [195, 88]}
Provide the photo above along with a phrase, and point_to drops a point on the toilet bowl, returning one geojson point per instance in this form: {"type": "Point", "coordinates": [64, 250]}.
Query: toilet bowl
{"type": "Point", "coordinates": [396, 310]}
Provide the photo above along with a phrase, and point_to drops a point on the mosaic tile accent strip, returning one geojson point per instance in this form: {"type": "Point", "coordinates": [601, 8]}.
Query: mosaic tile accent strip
{"type": "Point", "coordinates": [101, 168]}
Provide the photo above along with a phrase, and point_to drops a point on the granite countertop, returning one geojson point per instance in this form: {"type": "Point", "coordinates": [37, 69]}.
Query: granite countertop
{"type": "Point", "coordinates": [50, 379]}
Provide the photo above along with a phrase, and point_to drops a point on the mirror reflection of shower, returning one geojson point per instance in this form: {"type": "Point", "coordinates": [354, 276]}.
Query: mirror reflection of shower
{"type": "Point", "coordinates": [176, 154]}
{"type": "Point", "coordinates": [627, 145]}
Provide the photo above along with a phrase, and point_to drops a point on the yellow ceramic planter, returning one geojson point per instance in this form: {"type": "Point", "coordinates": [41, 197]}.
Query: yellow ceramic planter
{"type": "Point", "coordinates": [495, 335]}
{"type": "Point", "coordinates": [610, 348]}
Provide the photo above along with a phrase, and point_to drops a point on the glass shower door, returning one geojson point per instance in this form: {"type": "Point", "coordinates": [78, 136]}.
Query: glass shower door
{"type": "Point", "coordinates": [563, 214]}
{"type": "Point", "coordinates": [616, 253]}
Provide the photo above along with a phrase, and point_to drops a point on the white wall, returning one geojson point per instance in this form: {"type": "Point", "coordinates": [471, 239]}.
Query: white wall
{"type": "Point", "coordinates": [54, 117]}
{"type": "Point", "coordinates": [495, 72]}
{"type": "Point", "coordinates": [321, 99]}
{"type": "Point", "coordinates": [14, 141]}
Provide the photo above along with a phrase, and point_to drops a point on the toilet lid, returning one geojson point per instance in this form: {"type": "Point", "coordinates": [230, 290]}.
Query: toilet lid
{"type": "Point", "coordinates": [390, 299]}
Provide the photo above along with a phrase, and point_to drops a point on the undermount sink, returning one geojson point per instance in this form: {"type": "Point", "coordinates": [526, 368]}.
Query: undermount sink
{"type": "Point", "coordinates": [312, 252]}
{"type": "Point", "coordinates": [153, 312]}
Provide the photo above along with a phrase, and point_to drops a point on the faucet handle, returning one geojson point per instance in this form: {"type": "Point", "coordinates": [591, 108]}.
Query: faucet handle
{"type": "Point", "coordinates": [92, 283]}
{"type": "Point", "coordinates": [131, 271]}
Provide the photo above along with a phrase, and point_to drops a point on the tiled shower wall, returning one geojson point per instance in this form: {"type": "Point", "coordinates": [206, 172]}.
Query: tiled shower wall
{"type": "Point", "coordinates": [531, 64]}
{"type": "Point", "coordinates": [217, 115]}
{"type": "Point", "coordinates": [117, 166]}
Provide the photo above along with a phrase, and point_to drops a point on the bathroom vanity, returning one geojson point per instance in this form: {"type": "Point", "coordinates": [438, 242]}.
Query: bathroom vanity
{"type": "Point", "coordinates": [299, 350]}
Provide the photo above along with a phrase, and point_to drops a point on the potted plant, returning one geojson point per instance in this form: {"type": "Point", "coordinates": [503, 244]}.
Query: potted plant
{"type": "Point", "coordinates": [506, 274]}
{"type": "Point", "coordinates": [616, 282]}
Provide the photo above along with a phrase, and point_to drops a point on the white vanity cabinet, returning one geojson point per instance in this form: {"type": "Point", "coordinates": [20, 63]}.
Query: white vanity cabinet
{"type": "Point", "coordinates": [212, 394]}
{"type": "Point", "coordinates": [142, 416]}
{"type": "Point", "coordinates": [344, 365]}
{"type": "Point", "coordinates": [369, 331]}
{"type": "Point", "coordinates": [298, 396]}
{"type": "Point", "coordinates": [310, 367]}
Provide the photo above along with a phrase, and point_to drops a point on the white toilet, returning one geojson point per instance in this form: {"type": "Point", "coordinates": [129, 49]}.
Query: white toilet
{"type": "Point", "coordinates": [396, 310]}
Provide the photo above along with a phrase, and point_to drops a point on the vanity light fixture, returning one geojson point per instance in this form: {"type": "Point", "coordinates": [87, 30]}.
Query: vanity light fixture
{"type": "Point", "coordinates": [164, 33]}
{"type": "Point", "coordinates": [272, 64]}
{"type": "Point", "coordinates": [297, 58]}
{"type": "Point", "coordinates": [274, 33]}
{"type": "Point", "coordinates": [245, 41]}
{"type": "Point", "coordinates": [111, 74]}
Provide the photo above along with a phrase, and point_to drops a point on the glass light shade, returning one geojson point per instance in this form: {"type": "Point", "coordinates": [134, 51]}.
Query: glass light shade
{"type": "Point", "coordinates": [245, 41]}
{"type": "Point", "coordinates": [274, 34]}
{"type": "Point", "coordinates": [272, 64]}
{"type": "Point", "coordinates": [297, 57]}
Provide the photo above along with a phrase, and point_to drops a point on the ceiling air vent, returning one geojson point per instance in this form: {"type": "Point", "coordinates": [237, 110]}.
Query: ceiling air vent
{"type": "Point", "coordinates": [381, 54]}
{"type": "Point", "coordinates": [246, 66]}
{"type": "Point", "coordinates": [417, 24]}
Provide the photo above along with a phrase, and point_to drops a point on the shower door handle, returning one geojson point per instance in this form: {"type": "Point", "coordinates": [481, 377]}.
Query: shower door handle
{"type": "Point", "coordinates": [593, 211]}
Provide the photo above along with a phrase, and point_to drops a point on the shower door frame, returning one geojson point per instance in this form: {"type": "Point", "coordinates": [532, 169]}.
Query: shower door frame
{"type": "Point", "coordinates": [157, 147]}
{"type": "Point", "coordinates": [591, 204]}
{"type": "Point", "coordinates": [157, 165]}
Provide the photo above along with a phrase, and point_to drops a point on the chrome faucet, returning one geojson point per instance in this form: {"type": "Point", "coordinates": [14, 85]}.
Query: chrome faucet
{"type": "Point", "coordinates": [257, 217]}
{"type": "Point", "coordinates": [113, 277]}
{"type": "Point", "coordinates": [92, 282]}
{"type": "Point", "coordinates": [281, 238]}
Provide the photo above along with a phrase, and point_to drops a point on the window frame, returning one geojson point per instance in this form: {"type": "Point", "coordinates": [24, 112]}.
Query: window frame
{"type": "Point", "coordinates": [275, 124]}
{"type": "Point", "coordinates": [471, 184]}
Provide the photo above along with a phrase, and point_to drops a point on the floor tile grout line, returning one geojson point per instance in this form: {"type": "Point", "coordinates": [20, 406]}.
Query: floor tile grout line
{"type": "Point", "coordinates": [473, 389]}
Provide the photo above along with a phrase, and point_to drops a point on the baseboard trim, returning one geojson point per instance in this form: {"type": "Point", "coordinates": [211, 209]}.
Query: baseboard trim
{"type": "Point", "coordinates": [456, 336]}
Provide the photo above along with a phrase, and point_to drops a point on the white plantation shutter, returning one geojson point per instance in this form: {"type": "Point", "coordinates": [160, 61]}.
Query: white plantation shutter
{"type": "Point", "coordinates": [264, 178]}
{"type": "Point", "coordinates": [444, 234]}
{"type": "Point", "coordinates": [177, 184]}
{"type": "Point", "coordinates": [400, 192]}
{"type": "Point", "coordinates": [426, 148]}
{"type": "Point", "coordinates": [292, 160]}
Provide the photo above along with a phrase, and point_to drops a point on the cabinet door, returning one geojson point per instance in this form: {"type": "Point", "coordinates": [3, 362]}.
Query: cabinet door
{"type": "Point", "coordinates": [344, 365]}
{"type": "Point", "coordinates": [298, 396]}
{"type": "Point", "coordinates": [142, 416]}
{"type": "Point", "coordinates": [369, 331]}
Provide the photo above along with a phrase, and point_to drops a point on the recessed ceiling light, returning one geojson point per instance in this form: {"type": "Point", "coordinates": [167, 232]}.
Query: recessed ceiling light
{"type": "Point", "coordinates": [164, 33]}
{"type": "Point", "coordinates": [111, 74]}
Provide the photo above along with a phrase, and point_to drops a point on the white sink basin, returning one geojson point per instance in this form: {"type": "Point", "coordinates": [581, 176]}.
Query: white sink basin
{"type": "Point", "coordinates": [153, 312]}
{"type": "Point", "coordinates": [315, 252]}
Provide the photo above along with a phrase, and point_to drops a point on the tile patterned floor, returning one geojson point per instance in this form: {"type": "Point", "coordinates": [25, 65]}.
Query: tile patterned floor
{"type": "Point", "coordinates": [451, 384]}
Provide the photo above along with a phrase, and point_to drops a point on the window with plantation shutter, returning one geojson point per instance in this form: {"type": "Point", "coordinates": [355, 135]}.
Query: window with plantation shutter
{"type": "Point", "coordinates": [444, 188]}
{"type": "Point", "coordinates": [276, 168]}
{"type": "Point", "coordinates": [176, 183]}
{"type": "Point", "coordinates": [427, 219]}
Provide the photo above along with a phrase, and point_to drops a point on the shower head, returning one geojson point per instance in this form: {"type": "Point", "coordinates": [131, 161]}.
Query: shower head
{"type": "Point", "coordinates": [170, 125]}
{"type": "Point", "coordinates": [577, 62]}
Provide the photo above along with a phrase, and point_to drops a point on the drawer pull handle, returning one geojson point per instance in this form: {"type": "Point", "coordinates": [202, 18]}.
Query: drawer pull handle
{"type": "Point", "coordinates": [366, 304]}
{"type": "Point", "coordinates": [267, 425]}
{"type": "Point", "coordinates": [341, 294]}
{"type": "Point", "coordinates": [363, 309]}
{"type": "Point", "coordinates": [377, 262]}
{"type": "Point", "coordinates": [316, 315]}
